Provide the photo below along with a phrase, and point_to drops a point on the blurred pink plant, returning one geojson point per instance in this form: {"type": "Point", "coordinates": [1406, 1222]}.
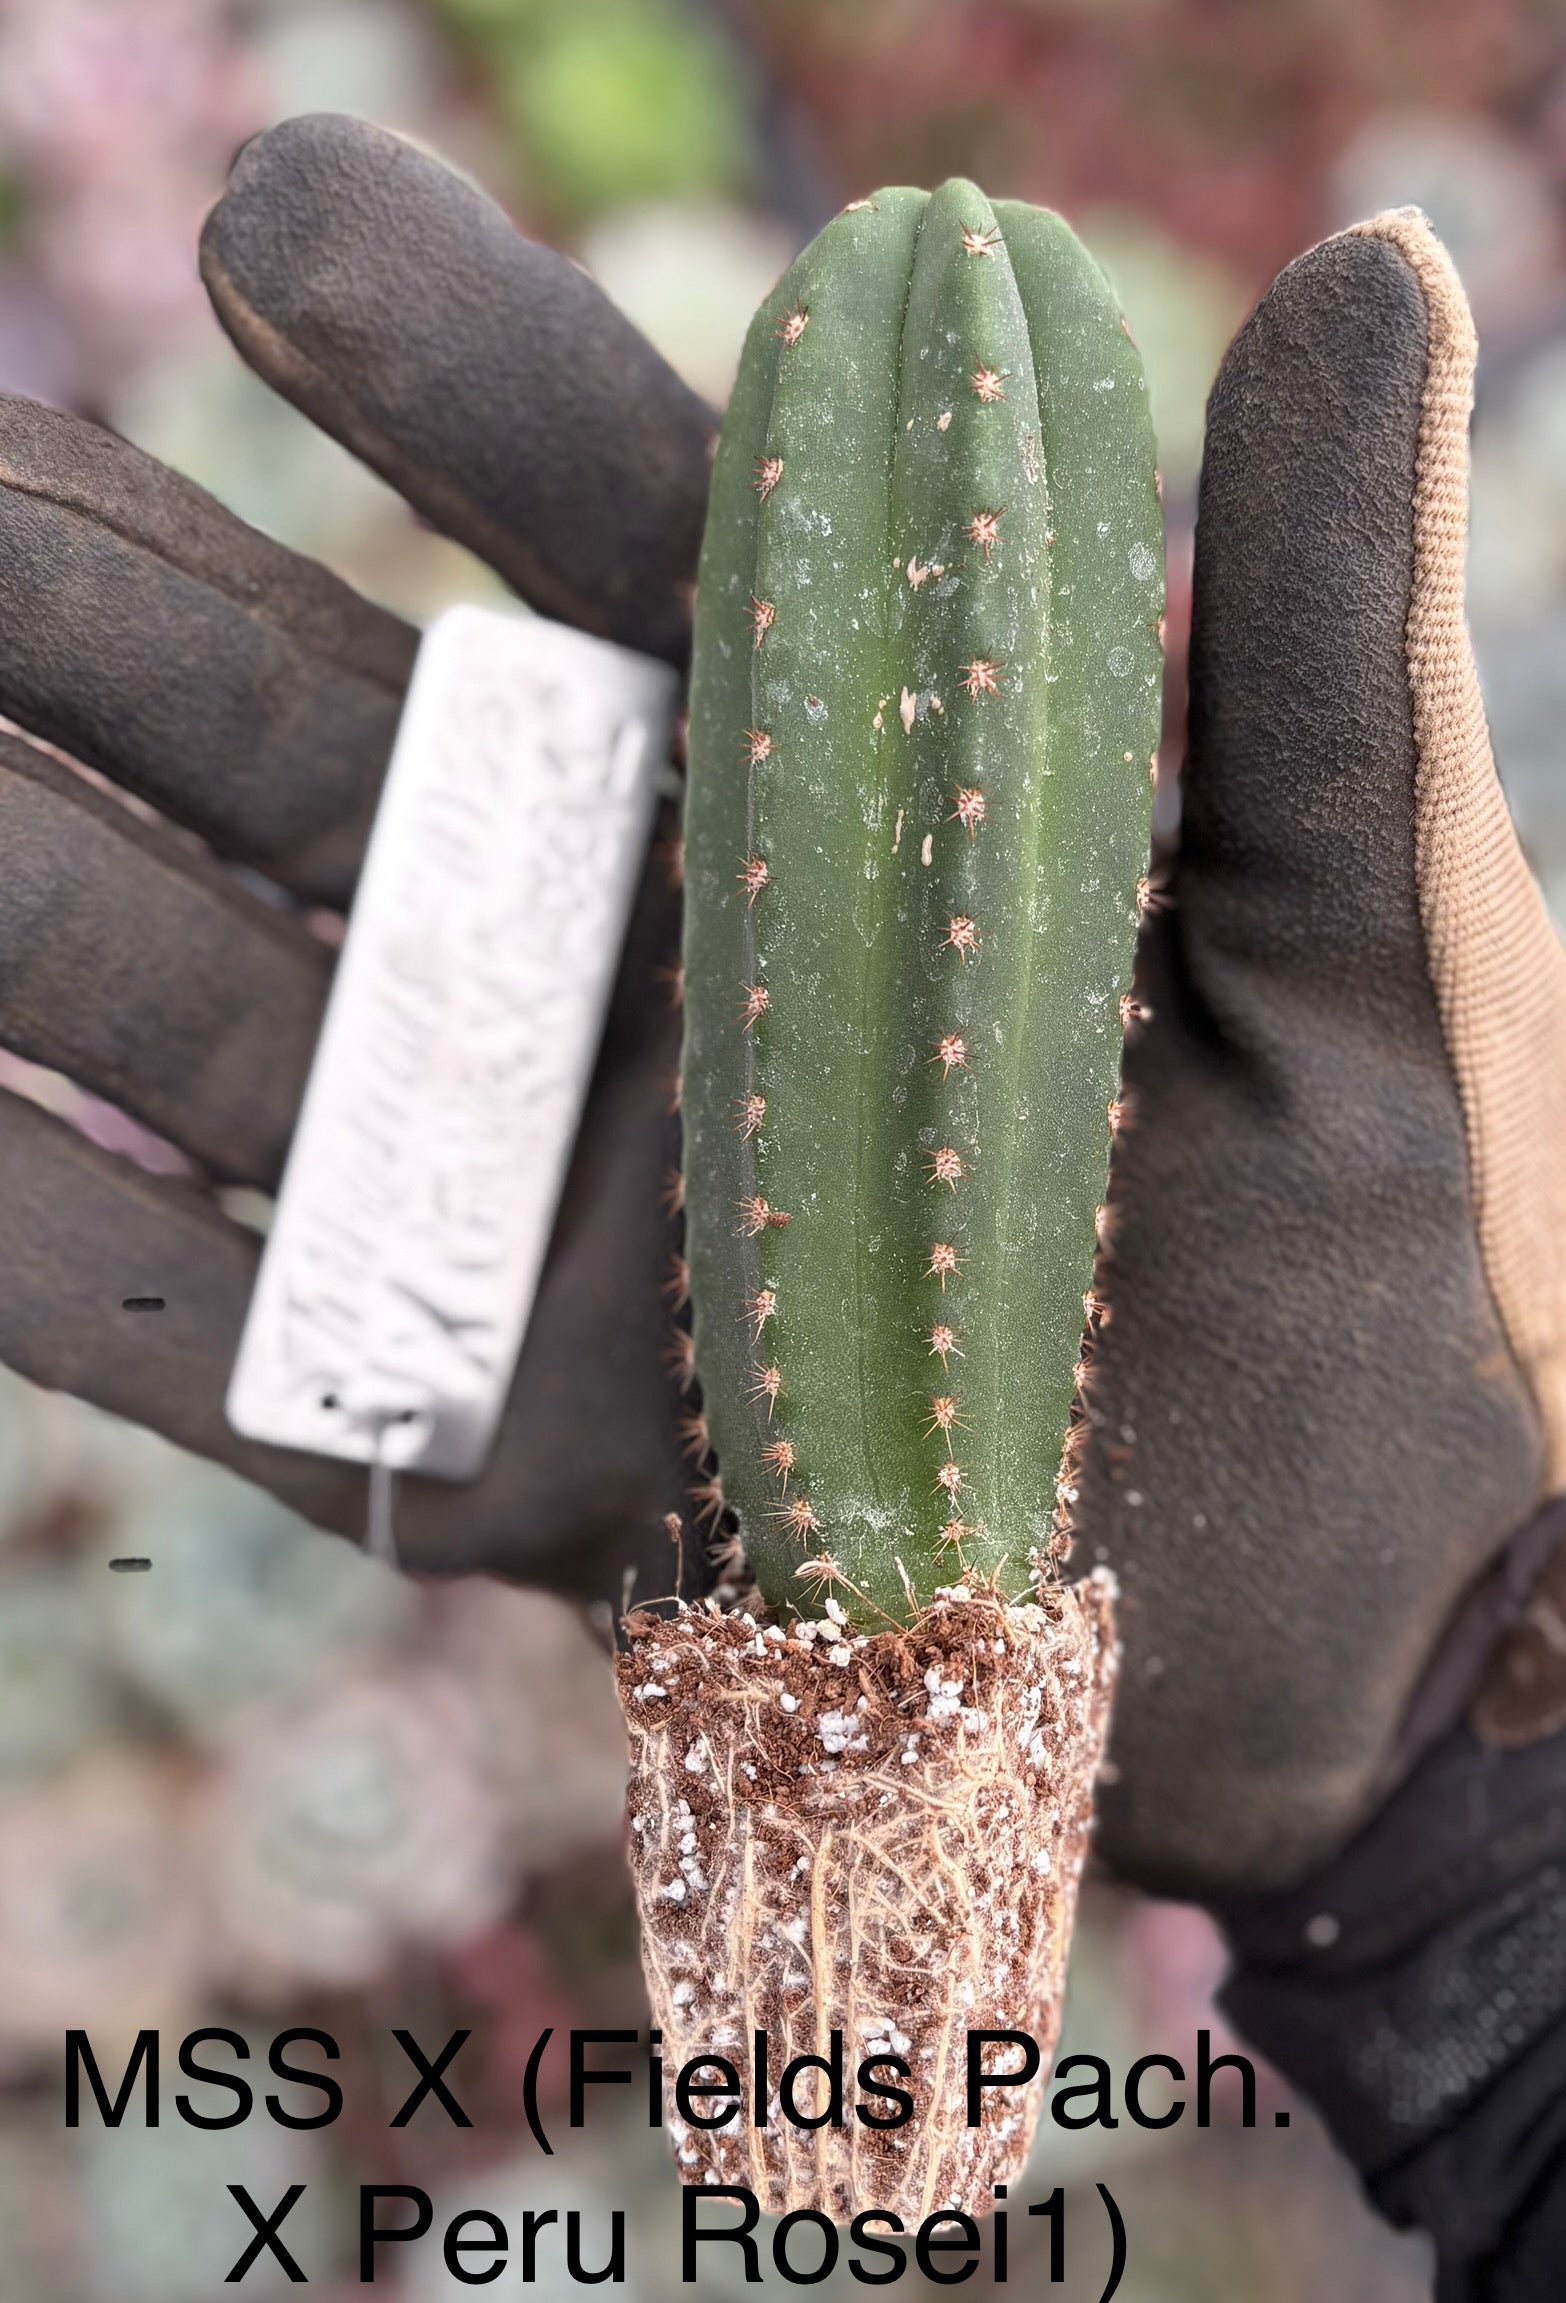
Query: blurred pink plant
{"type": "Point", "coordinates": [507, 1978]}
{"type": "Point", "coordinates": [1177, 1961]}
{"type": "Point", "coordinates": [351, 1827]}
{"type": "Point", "coordinates": [101, 1925]}
{"type": "Point", "coordinates": [110, 1129]}
{"type": "Point", "coordinates": [120, 121]}
{"type": "Point", "coordinates": [553, 1724]}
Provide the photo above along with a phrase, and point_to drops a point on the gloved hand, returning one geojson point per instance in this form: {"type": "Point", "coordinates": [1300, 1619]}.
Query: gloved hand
{"type": "Point", "coordinates": [252, 698]}
{"type": "Point", "coordinates": [1327, 1418]}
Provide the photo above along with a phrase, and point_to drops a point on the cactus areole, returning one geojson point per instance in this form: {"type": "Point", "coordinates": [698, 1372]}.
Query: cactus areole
{"type": "Point", "coordinates": [926, 698]}
{"type": "Point", "coordinates": [926, 694]}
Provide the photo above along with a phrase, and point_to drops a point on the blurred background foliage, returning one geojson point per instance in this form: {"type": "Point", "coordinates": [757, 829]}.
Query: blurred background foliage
{"type": "Point", "coordinates": [271, 1782]}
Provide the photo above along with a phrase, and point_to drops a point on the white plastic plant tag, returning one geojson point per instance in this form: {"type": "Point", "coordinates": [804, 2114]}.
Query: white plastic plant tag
{"type": "Point", "coordinates": [463, 1024]}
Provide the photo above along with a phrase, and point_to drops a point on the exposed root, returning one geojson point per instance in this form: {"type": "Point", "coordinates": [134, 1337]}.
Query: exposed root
{"type": "Point", "coordinates": [878, 1834]}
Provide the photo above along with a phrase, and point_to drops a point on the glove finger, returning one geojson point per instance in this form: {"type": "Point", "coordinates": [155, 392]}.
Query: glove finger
{"type": "Point", "coordinates": [587, 1463]}
{"type": "Point", "coordinates": [1310, 1429]}
{"type": "Point", "coordinates": [149, 975]}
{"type": "Point", "coordinates": [81, 1234]}
{"type": "Point", "coordinates": [485, 377]}
{"type": "Point", "coordinates": [240, 688]}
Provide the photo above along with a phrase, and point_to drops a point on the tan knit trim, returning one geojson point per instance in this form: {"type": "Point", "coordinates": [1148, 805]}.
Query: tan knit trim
{"type": "Point", "coordinates": [1498, 967]}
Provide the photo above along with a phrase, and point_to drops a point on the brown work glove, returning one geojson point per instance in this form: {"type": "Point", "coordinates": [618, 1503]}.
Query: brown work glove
{"type": "Point", "coordinates": [252, 698]}
{"type": "Point", "coordinates": [1333, 1390]}
{"type": "Point", "coordinates": [1328, 1415]}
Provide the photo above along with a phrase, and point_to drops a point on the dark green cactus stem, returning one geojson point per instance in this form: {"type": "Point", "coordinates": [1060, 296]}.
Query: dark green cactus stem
{"type": "Point", "coordinates": [926, 695]}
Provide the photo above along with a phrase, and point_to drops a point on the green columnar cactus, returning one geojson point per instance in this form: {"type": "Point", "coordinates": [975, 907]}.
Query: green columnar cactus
{"type": "Point", "coordinates": [926, 694]}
